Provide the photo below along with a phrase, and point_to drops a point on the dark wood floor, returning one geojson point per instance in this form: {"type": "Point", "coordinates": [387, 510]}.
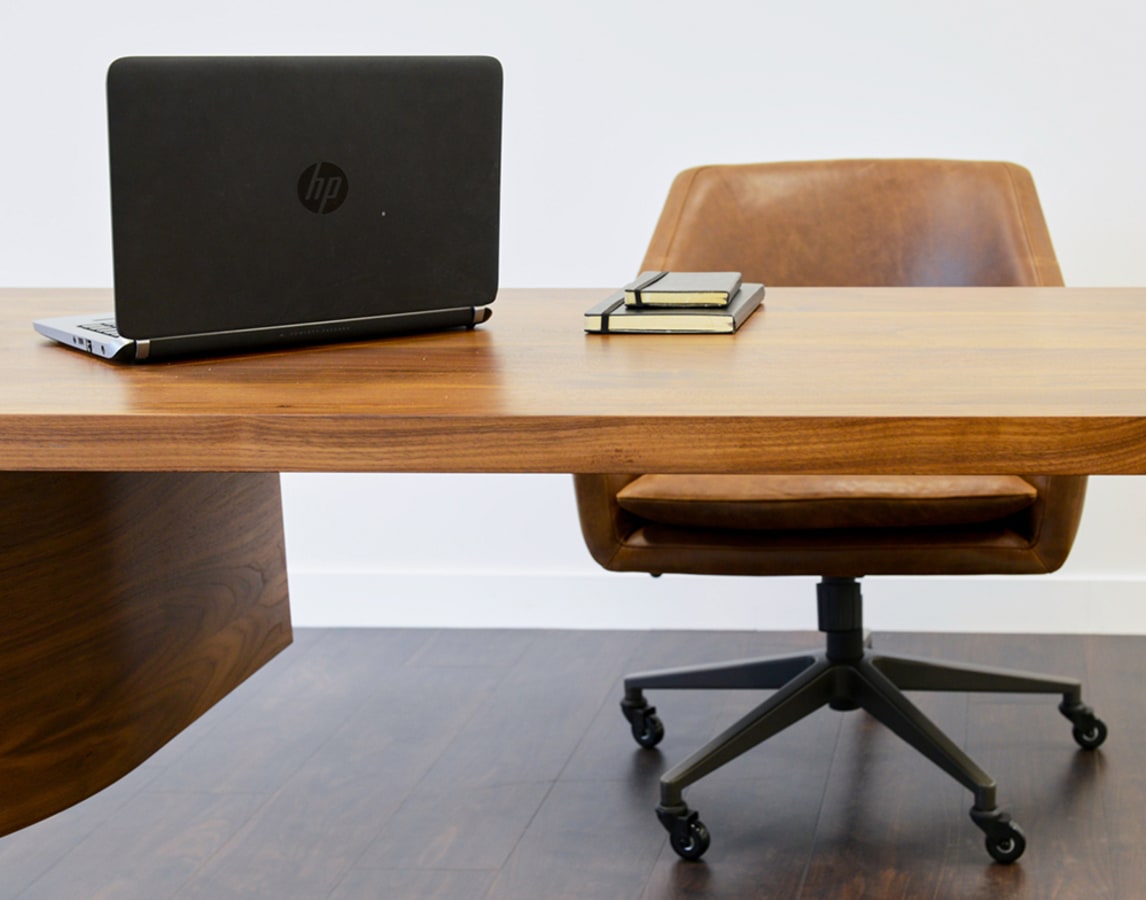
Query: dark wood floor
{"type": "Point", "coordinates": [467, 764]}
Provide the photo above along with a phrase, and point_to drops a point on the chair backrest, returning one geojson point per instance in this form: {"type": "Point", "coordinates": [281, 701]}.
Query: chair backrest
{"type": "Point", "coordinates": [895, 222]}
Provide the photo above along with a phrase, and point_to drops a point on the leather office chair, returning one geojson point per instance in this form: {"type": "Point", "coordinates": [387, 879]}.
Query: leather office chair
{"type": "Point", "coordinates": [860, 223]}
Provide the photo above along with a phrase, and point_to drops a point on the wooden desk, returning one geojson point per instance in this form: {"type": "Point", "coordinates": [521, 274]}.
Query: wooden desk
{"type": "Point", "coordinates": [1046, 380]}
{"type": "Point", "coordinates": [141, 548]}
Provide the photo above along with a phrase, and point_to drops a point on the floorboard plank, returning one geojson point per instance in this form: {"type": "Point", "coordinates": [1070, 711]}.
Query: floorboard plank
{"type": "Point", "coordinates": [474, 764]}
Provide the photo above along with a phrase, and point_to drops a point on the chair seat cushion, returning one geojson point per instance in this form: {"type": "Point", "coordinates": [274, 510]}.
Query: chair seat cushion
{"type": "Point", "coordinates": [787, 502]}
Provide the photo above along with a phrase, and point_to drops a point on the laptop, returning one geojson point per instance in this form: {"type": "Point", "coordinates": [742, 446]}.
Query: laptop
{"type": "Point", "coordinates": [263, 202]}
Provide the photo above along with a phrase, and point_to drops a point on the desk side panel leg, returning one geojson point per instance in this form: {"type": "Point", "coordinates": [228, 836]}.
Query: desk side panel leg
{"type": "Point", "coordinates": [130, 603]}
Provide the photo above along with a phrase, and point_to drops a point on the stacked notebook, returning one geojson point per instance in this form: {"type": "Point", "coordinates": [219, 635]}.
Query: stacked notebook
{"type": "Point", "coordinates": [677, 302]}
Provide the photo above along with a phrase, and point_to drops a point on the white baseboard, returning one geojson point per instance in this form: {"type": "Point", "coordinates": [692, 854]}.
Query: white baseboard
{"type": "Point", "coordinates": [1047, 604]}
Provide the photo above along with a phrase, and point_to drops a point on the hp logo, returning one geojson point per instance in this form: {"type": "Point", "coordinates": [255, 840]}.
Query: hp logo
{"type": "Point", "coordinates": [322, 187]}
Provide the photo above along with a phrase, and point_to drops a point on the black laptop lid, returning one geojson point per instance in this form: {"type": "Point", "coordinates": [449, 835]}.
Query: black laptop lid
{"type": "Point", "coordinates": [261, 191]}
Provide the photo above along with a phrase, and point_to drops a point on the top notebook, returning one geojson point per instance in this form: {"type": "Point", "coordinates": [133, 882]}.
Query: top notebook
{"type": "Point", "coordinates": [303, 198]}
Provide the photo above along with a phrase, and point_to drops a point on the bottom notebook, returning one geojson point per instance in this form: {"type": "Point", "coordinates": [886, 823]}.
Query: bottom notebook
{"type": "Point", "coordinates": [611, 315]}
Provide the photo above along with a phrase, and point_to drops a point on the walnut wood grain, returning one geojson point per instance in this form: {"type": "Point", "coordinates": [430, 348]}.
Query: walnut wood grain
{"type": "Point", "coordinates": [1049, 380]}
{"type": "Point", "coordinates": [131, 604]}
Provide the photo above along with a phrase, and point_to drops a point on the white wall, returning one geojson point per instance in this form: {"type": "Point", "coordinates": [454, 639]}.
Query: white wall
{"type": "Point", "coordinates": [605, 101]}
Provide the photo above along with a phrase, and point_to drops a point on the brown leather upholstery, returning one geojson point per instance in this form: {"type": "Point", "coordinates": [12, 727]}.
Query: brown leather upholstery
{"type": "Point", "coordinates": [806, 502]}
{"type": "Point", "coordinates": [848, 222]}
{"type": "Point", "coordinates": [858, 222]}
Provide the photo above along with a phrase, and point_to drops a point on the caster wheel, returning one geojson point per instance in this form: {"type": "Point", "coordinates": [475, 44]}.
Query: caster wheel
{"type": "Point", "coordinates": [648, 730]}
{"type": "Point", "coordinates": [690, 841]}
{"type": "Point", "coordinates": [1008, 847]}
{"type": "Point", "coordinates": [1090, 735]}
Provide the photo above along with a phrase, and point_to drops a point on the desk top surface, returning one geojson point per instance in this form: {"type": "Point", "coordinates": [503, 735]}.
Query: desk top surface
{"type": "Point", "coordinates": [1039, 380]}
